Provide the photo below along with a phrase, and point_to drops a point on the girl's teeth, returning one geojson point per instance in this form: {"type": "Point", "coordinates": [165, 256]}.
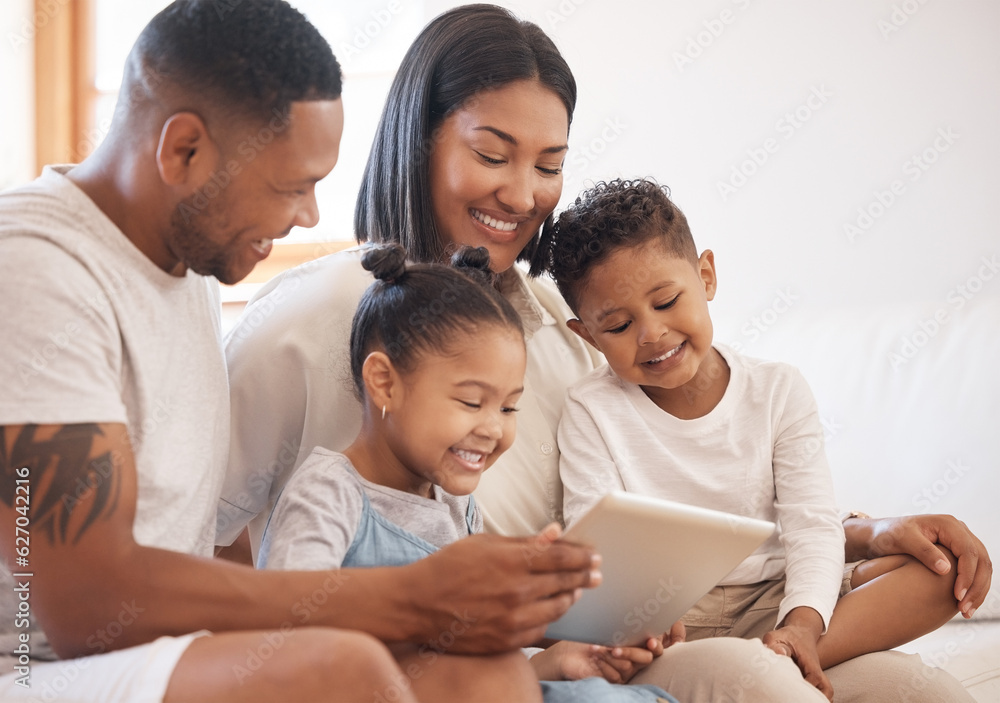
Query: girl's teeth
{"type": "Point", "coordinates": [471, 457]}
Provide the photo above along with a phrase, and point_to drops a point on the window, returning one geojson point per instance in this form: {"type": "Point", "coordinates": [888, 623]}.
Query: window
{"type": "Point", "coordinates": [81, 51]}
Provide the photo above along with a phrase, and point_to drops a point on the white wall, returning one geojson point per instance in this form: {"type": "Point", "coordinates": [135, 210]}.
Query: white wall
{"type": "Point", "coordinates": [17, 118]}
{"type": "Point", "coordinates": [809, 114]}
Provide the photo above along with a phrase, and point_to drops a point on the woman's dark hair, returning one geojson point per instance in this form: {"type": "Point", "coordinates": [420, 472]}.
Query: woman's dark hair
{"type": "Point", "coordinates": [424, 307]}
{"type": "Point", "coordinates": [462, 52]}
{"type": "Point", "coordinates": [248, 59]}
{"type": "Point", "coordinates": [606, 218]}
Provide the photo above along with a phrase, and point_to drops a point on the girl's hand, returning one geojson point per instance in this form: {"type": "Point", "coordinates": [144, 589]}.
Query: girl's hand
{"type": "Point", "coordinates": [572, 661]}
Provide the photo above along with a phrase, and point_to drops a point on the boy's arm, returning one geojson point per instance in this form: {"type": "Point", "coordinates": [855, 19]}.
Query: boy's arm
{"type": "Point", "coordinates": [586, 468]}
{"type": "Point", "coordinates": [811, 532]}
{"type": "Point", "coordinates": [499, 593]}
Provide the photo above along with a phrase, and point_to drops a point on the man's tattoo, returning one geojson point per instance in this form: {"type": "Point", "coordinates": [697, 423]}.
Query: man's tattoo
{"type": "Point", "coordinates": [67, 477]}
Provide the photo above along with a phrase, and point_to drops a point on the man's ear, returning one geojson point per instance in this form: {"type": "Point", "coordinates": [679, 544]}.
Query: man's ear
{"type": "Point", "coordinates": [582, 332]}
{"type": "Point", "coordinates": [186, 156]}
{"type": "Point", "coordinates": [706, 269]}
{"type": "Point", "coordinates": [382, 383]}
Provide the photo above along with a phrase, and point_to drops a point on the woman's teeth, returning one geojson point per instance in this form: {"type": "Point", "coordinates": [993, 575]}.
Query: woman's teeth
{"type": "Point", "coordinates": [494, 223]}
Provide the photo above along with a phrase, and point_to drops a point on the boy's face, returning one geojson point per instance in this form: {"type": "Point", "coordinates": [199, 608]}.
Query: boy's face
{"type": "Point", "coordinates": [646, 310]}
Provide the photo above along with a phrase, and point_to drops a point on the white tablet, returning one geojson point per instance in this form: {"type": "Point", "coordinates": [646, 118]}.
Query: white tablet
{"type": "Point", "coordinates": [658, 559]}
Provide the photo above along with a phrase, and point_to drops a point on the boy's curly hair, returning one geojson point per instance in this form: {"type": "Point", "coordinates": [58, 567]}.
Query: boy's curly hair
{"type": "Point", "coordinates": [608, 217]}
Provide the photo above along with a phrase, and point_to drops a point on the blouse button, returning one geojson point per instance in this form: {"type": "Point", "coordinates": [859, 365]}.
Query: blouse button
{"type": "Point", "coordinates": [547, 448]}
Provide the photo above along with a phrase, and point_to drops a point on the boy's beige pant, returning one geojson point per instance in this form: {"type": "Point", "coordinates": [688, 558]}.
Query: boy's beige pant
{"type": "Point", "coordinates": [730, 669]}
{"type": "Point", "coordinates": [724, 630]}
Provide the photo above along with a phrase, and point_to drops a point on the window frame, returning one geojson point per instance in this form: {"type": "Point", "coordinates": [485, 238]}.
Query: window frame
{"type": "Point", "coordinates": [65, 116]}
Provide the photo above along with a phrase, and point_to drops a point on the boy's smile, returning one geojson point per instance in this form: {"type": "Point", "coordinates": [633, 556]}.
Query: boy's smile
{"type": "Point", "coordinates": [646, 310]}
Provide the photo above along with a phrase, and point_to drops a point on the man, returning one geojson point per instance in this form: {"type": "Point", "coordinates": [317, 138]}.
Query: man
{"type": "Point", "coordinates": [114, 414]}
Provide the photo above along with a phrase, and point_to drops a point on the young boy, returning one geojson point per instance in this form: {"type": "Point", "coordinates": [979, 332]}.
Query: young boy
{"type": "Point", "coordinates": [675, 416]}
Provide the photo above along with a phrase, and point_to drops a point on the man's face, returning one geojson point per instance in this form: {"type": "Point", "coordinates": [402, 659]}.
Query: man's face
{"type": "Point", "coordinates": [261, 188]}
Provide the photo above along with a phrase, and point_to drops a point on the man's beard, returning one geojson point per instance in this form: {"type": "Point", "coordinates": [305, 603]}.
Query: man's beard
{"type": "Point", "coordinates": [193, 247]}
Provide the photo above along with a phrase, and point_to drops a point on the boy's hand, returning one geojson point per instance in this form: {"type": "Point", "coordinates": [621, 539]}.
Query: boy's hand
{"type": "Point", "coordinates": [797, 639]}
{"type": "Point", "coordinates": [677, 634]}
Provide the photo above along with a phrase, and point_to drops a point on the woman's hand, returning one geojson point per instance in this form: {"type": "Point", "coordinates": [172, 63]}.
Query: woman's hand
{"type": "Point", "coordinates": [918, 535]}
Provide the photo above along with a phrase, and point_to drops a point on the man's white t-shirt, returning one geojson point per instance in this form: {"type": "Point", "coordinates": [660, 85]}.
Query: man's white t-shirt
{"type": "Point", "coordinates": [94, 332]}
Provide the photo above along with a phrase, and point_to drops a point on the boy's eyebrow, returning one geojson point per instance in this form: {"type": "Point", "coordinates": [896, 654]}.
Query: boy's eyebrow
{"type": "Point", "coordinates": [509, 138]}
{"type": "Point", "coordinates": [608, 312]}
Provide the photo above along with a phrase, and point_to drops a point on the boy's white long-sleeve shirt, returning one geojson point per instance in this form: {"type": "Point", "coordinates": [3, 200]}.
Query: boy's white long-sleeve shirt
{"type": "Point", "coordinates": [758, 453]}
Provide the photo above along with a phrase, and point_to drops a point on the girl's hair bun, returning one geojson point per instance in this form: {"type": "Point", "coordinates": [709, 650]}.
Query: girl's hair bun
{"type": "Point", "coordinates": [475, 263]}
{"type": "Point", "coordinates": [387, 262]}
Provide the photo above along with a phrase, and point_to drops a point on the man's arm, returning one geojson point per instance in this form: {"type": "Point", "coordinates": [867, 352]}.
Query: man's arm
{"type": "Point", "coordinates": [95, 589]}
{"type": "Point", "coordinates": [918, 536]}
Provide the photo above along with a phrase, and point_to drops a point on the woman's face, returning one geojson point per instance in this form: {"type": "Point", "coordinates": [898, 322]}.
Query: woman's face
{"type": "Point", "coordinates": [496, 168]}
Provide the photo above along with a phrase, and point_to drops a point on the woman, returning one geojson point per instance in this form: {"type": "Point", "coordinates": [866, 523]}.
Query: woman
{"type": "Point", "coordinates": [468, 151]}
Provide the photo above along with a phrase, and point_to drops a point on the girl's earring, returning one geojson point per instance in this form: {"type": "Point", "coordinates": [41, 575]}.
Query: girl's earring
{"type": "Point", "coordinates": [383, 412]}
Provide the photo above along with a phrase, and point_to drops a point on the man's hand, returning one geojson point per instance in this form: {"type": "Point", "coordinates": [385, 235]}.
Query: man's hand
{"type": "Point", "coordinates": [918, 535]}
{"type": "Point", "coordinates": [797, 639]}
{"type": "Point", "coordinates": [496, 593]}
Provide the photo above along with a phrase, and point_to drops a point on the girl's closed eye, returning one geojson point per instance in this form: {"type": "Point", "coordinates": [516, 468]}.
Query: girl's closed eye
{"type": "Point", "coordinates": [508, 410]}
{"type": "Point", "coordinates": [618, 329]}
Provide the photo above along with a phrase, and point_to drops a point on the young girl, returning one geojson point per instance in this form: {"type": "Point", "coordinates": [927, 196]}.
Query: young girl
{"type": "Point", "coordinates": [438, 360]}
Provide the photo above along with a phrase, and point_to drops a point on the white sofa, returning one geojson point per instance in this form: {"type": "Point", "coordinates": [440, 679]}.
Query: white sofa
{"type": "Point", "coordinates": [910, 398]}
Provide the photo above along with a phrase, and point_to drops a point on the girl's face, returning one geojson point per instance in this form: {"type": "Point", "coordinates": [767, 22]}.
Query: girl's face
{"type": "Point", "coordinates": [451, 417]}
{"type": "Point", "coordinates": [496, 169]}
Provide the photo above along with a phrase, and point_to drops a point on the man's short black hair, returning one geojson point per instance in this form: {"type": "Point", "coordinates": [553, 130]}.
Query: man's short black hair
{"type": "Point", "coordinates": [245, 59]}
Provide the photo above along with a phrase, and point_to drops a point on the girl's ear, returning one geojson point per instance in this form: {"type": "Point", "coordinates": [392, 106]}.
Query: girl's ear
{"type": "Point", "coordinates": [582, 332]}
{"type": "Point", "coordinates": [706, 269]}
{"type": "Point", "coordinates": [381, 379]}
